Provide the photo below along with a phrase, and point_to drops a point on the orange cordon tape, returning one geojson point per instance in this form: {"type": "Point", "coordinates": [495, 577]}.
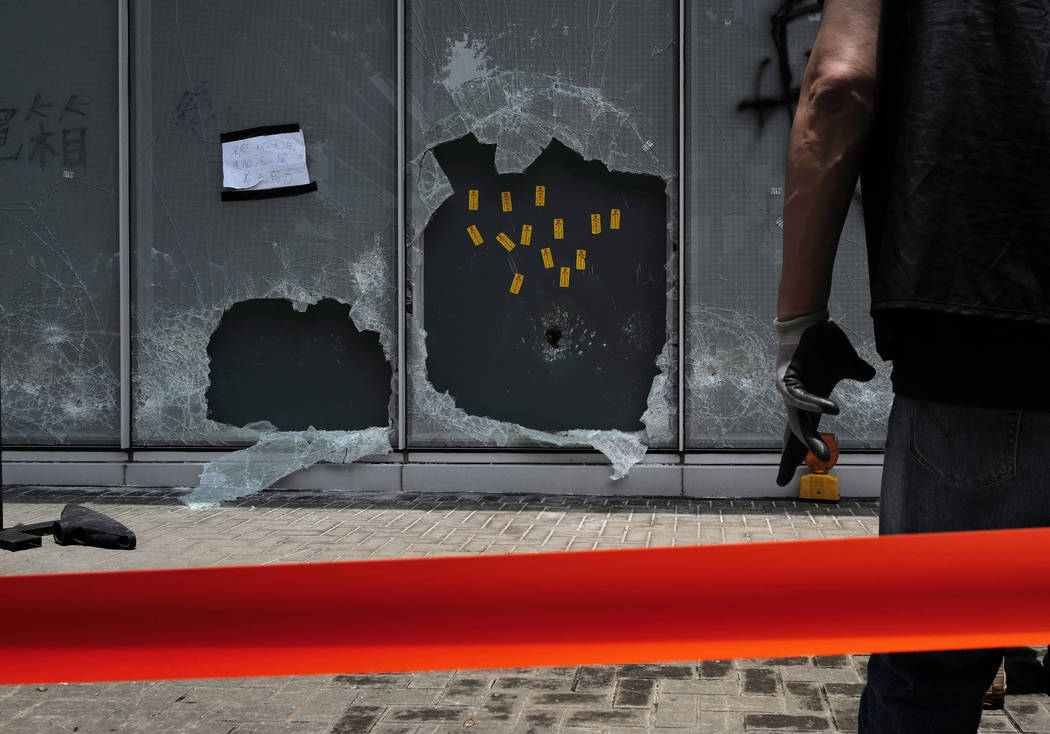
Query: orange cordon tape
{"type": "Point", "coordinates": [961, 590]}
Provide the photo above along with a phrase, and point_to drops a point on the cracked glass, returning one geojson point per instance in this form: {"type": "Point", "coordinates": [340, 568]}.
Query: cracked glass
{"type": "Point", "coordinates": [600, 81]}
{"type": "Point", "coordinates": [744, 66]}
{"type": "Point", "coordinates": [203, 69]}
{"type": "Point", "coordinates": [59, 236]}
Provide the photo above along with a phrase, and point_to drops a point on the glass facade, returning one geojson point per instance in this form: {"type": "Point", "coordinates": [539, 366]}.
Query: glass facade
{"type": "Point", "coordinates": [59, 238]}
{"type": "Point", "coordinates": [541, 179]}
{"type": "Point", "coordinates": [508, 99]}
{"type": "Point", "coordinates": [744, 67]}
{"type": "Point", "coordinates": [283, 265]}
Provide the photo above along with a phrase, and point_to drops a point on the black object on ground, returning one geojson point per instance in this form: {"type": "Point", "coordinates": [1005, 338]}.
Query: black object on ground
{"type": "Point", "coordinates": [81, 525]}
{"type": "Point", "coordinates": [24, 537]}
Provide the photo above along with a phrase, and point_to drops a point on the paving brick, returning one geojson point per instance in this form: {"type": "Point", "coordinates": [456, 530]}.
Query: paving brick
{"type": "Point", "coordinates": [634, 692]}
{"type": "Point", "coordinates": [815, 674]}
{"type": "Point", "coordinates": [844, 689]}
{"type": "Point", "coordinates": [760, 680]}
{"type": "Point", "coordinates": [716, 668]}
{"type": "Point", "coordinates": [742, 704]}
{"type": "Point", "coordinates": [1029, 715]}
{"type": "Point", "coordinates": [519, 683]}
{"type": "Point", "coordinates": [605, 717]}
{"type": "Point", "coordinates": [786, 722]}
{"type": "Point", "coordinates": [594, 679]}
{"type": "Point", "coordinates": [395, 696]}
{"type": "Point", "coordinates": [844, 713]}
{"type": "Point", "coordinates": [785, 661]}
{"type": "Point", "coordinates": [538, 722]}
{"type": "Point", "coordinates": [804, 696]}
{"type": "Point", "coordinates": [677, 710]}
{"type": "Point", "coordinates": [568, 699]}
{"type": "Point", "coordinates": [465, 690]}
{"type": "Point", "coordinates": [501, 706]}
{"type": "Point", "coordinates": [373, 681]}
{"type": "Point", "coordinates": [357, 719]}
{"type": "Point", "coordinates": [427, 713]}
{"type": "Point", "coordinates": [996, 722]}
{"type": "Point", "coordinates": [720, 722]}
{"type": "Point", "coordinates": [657, 671]}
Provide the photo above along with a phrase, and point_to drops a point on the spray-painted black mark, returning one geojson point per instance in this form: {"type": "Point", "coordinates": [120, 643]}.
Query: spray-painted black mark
{"type": "Point", "coordinates": [788, 12]}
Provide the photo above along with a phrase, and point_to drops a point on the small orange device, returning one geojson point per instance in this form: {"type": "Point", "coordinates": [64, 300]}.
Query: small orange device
{"type": "Point", "coordinates": [819, 485]}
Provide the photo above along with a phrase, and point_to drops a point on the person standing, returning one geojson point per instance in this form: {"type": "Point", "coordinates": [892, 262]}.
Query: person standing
{"type": "Point", "coordinates": [942, 109]}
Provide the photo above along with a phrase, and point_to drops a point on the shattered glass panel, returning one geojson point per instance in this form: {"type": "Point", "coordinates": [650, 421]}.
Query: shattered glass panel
{"type": "Point", "coordinates": [599, 80]}
{"type": "Point", "coordinates": [59, 236]}
{"type": "Point", "coordinates": [203, 69]}
{"type": "Point", "coordinates": [276, 455]}
{"type": "Point", "coordinates": [744, 67]}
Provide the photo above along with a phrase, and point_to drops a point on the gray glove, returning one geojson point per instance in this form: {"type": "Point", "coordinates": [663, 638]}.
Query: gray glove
{"type": "Point", "coordinates": [813, 355]}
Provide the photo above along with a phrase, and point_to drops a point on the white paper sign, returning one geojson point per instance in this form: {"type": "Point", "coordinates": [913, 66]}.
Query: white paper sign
{"type": "Point", "coordinates": [265, 162]}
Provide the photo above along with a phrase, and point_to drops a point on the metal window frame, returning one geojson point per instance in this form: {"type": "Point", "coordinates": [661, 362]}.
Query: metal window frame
{"type": "Point", "coordinates": [681, 226]}
{"type": "Point", "coordinates": [402, 429]}
{"type": "Point", "coordinates": [124, 195]}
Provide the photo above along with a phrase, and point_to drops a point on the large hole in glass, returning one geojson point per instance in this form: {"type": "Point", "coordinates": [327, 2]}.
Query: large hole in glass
{"type": "Point", "coordinates": [296, 370]}
{"type": "Point", "coordinates": [576, 345]}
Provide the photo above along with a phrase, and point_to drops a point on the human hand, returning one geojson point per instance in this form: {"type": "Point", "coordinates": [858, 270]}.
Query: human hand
{"type": "Point", "coordinates": [813, 355]}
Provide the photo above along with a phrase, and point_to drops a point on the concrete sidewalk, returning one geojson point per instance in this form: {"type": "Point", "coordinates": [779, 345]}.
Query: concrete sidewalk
{"type": "Point", "coordinates": [777, 695]}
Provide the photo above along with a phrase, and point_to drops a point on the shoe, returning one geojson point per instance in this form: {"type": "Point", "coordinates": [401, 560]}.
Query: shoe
{"type": "Point", "coordinates": [996, 694]}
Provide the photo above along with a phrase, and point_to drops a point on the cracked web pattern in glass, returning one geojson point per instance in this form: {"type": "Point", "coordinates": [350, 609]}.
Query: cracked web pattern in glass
{"type": "Point", "coordinates": [59, 241]}
{"type": "Point", "coordinates": [598, 77]}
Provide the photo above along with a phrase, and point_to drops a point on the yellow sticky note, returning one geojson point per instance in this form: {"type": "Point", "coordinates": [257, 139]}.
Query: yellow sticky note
{"type": "Point", "coordinates": [526, 234]}
{"type": "Point", "coordinates": [559, 229]}
{"type": "Point", "coordinates": [564, 283]}
{"type": "Point", "coordinates": [505, 197]}
{"type": "Point", "coordinates": [505, 241]}
{"type": "Point", "coordinates": [475, 235]}
{"type": "Point", "coordinates": [548, 261]}
{"type": "Point", "coordinates": [581, 259]}
{"type": "Point", "coordinates": [515, 285]}
{"type": "Point", "coordinates": [472, 203]}
{"type": "Point", "coordinates": [614, 219]}
{"type": "Point", "coordinates": [596, 224]}
{"type": "Point", "coordinates": [541, 195]}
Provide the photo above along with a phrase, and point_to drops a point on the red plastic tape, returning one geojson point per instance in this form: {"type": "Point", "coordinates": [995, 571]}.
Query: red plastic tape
{"type": "Point", "coordinates": [899, 593]}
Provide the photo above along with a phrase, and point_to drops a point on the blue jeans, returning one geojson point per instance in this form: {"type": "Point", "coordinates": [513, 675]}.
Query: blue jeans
{"type": "Point", "coordinates": [952, 468]}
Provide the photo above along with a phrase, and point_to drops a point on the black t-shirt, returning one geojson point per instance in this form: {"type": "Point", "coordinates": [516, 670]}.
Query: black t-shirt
{"type": "Point", "coordinates": [956, 211]}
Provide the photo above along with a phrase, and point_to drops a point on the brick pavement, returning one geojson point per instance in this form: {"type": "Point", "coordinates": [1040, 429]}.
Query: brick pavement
{"type": "Point", "coordinates": [777, 695]}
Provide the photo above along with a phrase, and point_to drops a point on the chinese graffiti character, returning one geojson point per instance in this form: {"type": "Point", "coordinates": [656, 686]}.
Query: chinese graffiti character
{"type": "Point", "coordinates": [5, 117]}
{"type": "Point", "coordinates": [41, 146]}
{"type": "Point", "coordinates": [74, 146]}
{"type": "Point", "coordinates": [37, 106]}
{"type": "Point", "coordinates": [75, 105]}
{"type": "Point", "coordinates": [194, 109]}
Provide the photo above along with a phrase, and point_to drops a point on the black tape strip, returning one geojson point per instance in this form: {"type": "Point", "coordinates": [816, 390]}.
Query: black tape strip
{"type": "Point", "coordinates": [253, 132]}
{"type": "Point", "coordinates": [244, 195]}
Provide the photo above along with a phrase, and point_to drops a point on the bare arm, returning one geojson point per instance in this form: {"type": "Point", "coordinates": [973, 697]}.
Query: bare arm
{"type": "Point", "coordinates": [826, 149]}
